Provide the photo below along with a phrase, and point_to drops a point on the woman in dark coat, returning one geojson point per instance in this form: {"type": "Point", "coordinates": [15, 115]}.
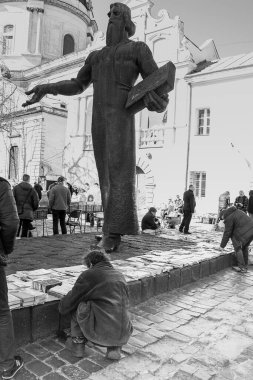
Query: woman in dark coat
{"type": "Point", "coordinates": [98, 304]}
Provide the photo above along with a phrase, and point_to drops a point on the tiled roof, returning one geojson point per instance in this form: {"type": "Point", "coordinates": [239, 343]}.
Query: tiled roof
{"type": "Point", "coordinates": [234, 62]}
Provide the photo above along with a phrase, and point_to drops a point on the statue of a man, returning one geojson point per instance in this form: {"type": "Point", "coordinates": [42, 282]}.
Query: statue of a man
{"type": "Point", "coordinates": [113, 71]}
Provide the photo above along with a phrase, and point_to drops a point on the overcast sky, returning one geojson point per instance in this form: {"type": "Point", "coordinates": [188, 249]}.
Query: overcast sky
{"type": "Point", "coordinates": [228, 22]}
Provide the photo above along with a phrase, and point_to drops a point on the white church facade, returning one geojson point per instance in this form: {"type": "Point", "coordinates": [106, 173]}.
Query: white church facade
{"type": "Point", "coordinates": [202, 138]}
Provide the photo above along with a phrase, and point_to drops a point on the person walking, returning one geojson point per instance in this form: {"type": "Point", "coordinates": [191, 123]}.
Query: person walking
{"type": "Point", "coordinates": [241, 202]}
{"type": "Point", "coordinates": [250, 204]}
{"type": "Point", "coordinates": [10, 364]}
{"type": "Point", "coordinates": [39, 189]}
{"type": "Point", "coordinates": [188, 210]}
{"type": "Point", "coordinates": [59, 202]}
{"type": "Point", "coordinates": [27, 201]}
{"type": "Point", "coordinates": [238, 228]}
{"type": "Point", "coordinates": [98, 304]}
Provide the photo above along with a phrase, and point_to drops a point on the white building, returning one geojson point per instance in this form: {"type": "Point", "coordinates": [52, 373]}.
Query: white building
{"type": "Point", "coordinates": [201, 136]}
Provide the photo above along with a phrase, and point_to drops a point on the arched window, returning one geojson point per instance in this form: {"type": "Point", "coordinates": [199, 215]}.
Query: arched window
{"type": "Point", "coordinates": [68, 44]}
{"type": "Point", "coordinates": [8, 40]}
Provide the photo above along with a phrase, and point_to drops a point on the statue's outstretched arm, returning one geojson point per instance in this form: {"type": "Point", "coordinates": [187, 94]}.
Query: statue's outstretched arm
{"type": "Point", "coordinates": [65, 87]}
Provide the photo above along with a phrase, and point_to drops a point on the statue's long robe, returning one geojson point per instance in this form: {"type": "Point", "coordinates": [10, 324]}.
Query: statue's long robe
{"type": "Point", "coordinates": [113, 71]}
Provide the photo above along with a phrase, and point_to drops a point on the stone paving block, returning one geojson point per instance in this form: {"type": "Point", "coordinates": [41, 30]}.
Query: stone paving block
{"type": "Point", "coordinates": [204, 268]}
{"type": "Point", "coordinates": [67, 356]}
{"type": "Point", "coordinates": [134, 289]}
{"type": "Point", "coordinates": [195, 272]}
{"type": "Point", "coordinates": [89, 366]}
{"type": "Point", "coordinates": [24, 374]}
{"type": "Point", "coordinates": [55, 362]}
{"type": "Point", "coordinates": [213, 268]}
{"type": "Point", "coordinates": [22, 325]}
{"type": "Point", "coordinates": [37, 350]}
{"type": "Point", "coordinates": [186, 276]}
{"type": "Point", "coordinates": [161, 283]}
{"type": "Point", "coordinates": [51, 345]}
{"type": "Point", "coordinates": [129, 349]}
{"type": "Point", "coordinates": [156, 333]}
{"type": "Point", "coordinates": [99, 359]}
{"type": "Point", "coordinates": [188, 369]}
{"type": "Point", "coordinates": [26, 357]}
{"type": "Point", "coordinates": [73, 372]}
{"type": "Point", "coordinates": [174, 279]}
{"type": "Point", "coordinates": [140, 326]}
{"type": "Point", "coordinates": [155, 318]}
{"type": "Point", "coordinates": [38, 367]}
{"type": "Point", "coordinates": [178, 336]}
{"type": "Point", "coordinates": [147, 288]}
{"type": "Point", "coordinates": [137, 342]}
{"type": "Point", "coordinates": [180, 357]}
{"type": "Point", "coordinates": [45, 319]}
{"type": "Point", "coordinates": [145, 337]}
{"type": "Point", "coordinates": [54, 376]}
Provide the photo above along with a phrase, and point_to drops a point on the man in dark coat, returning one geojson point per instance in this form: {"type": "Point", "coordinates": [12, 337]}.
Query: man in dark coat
{"type": "Point", "coordinates": [39, 189]}
{"type": "Point", "coordinates": [188, 210]}
{"type": "Point", "coordinates": [59, 202]}
{"type": "Point", "coordinates": [27, 201]}
{"type": "Point", "coordinates": [238, 228]}
{"type": "Point", "coordinates": [113, 71]}
{"type": "Point", "coordinates": [149, 220]}
{"type": "Point", "coordinates": [9, 363]}
{"type": "Point", "coordinates": [241, 202]}
{"type": "Point", "coordinates": [98, 304]}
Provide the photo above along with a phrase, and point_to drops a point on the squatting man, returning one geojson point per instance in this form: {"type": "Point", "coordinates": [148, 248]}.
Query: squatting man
{"type": "Point", "coordinates": [113, 71]}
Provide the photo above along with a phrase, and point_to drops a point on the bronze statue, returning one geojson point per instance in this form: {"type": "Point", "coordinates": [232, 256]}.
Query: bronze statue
{"type": "Point", "coordinates": [113, 71]}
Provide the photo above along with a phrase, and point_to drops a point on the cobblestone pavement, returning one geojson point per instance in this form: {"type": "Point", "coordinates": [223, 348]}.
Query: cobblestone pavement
{"type": "Point", "coordinates": [201, 331]}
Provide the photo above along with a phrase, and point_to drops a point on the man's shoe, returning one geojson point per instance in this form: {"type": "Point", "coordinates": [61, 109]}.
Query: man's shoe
{"type": "Point", "coordinates": [180, 230]}
{"type": "Point", "coordinates": [10, 373]}
{"type": "Point", "coordinates": [98, 237]}
{"type": "Point", "coordinates": [187, 233]}
{"type": "Point", "coordinates": [77, 349]}
{"type": "Point", "coordinates": [113, 353]}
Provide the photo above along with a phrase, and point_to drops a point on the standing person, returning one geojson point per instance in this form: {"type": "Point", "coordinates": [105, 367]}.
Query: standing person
{"type": "Point", "coordinates": [250, 204]}
{"type": "Point", "coordinates": [39, 189]}
{"type": "Point", "coordinates": [59, 202]}
{"type": "Point", "coordinates": [238, 228]}
{"type": "Point", "coordinates": [27, 201]}
{"type": "Point", "coordinates": [179, 204]}
{"type": "Point", "coordinates": [224, 203]}
{"type": "Point", "coordinates": [241, 202]}
{"type": "Point", "coordinates": [9, 363]}
{"type": "Point", "coordinates": [113, 70]}
{"type": "Point", "coordinates": [98, 305]}
{"type": "Point", "coordinates": [188, 210]}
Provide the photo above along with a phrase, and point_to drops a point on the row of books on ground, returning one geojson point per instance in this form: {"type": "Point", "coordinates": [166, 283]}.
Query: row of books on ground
{"type": "Point", "coordinates": [29, 288]}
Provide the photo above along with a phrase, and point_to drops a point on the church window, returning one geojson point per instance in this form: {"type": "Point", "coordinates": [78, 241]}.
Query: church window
{"type": "Point", "coordinates": [7, 47]}
{"type": "Point", "coordinates": [203, 122]}
{"type": "Point", "coordinates": [68, 44]}
{"type": "Point", "coordinates": [13, 162]}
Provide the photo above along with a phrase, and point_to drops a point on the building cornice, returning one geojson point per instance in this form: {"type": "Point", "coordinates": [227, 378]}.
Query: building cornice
{"type": "Point", "coordinates": [39, 110]}
{"type": "Point", "coordinates": [60, 4]}
{"type": "Point", "coordinates": [219, 75]}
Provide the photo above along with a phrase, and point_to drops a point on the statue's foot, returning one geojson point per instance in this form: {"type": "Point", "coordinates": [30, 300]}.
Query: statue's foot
{"type": "Point", "coordinates": [110, 242]}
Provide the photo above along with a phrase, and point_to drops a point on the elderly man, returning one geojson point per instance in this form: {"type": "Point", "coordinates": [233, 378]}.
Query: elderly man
{"type": "Point", "coordinates": [98, 304]}
{"type": "Point", "coordinates": [238, 228]}
{"type": "Point", "coordinates": [188, 210]}
{"type": "Point", "coordinates": [59, 202]}
{"type": "Point", "coordinates": [113, 71]}
{"type": "Point", "coordinates": [9, 363]}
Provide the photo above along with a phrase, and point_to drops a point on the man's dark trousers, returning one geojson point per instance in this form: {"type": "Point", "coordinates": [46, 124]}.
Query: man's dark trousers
{"type": "Point", "coordinates": [186, 221]}
{"type": "Point", "coordinates": [7, 344]}
{"type": "Point", "coordinates": [59, 215]}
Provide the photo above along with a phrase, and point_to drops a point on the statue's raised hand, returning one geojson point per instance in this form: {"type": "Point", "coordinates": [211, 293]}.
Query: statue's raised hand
{"type": "Point", "coordinates": [38, 92]}
{"type": "Point", "coordinates": [154, 102]}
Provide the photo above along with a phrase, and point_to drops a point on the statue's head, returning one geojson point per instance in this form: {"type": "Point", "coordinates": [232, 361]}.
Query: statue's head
{"type": "Point", "coordinates": [120, 24]}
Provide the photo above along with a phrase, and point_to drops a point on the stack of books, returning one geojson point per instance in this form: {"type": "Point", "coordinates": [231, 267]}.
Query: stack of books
{"type": "Point", "coordinates": [44, 285]}
{"type": "Point", "coordinates": [14, 302]}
